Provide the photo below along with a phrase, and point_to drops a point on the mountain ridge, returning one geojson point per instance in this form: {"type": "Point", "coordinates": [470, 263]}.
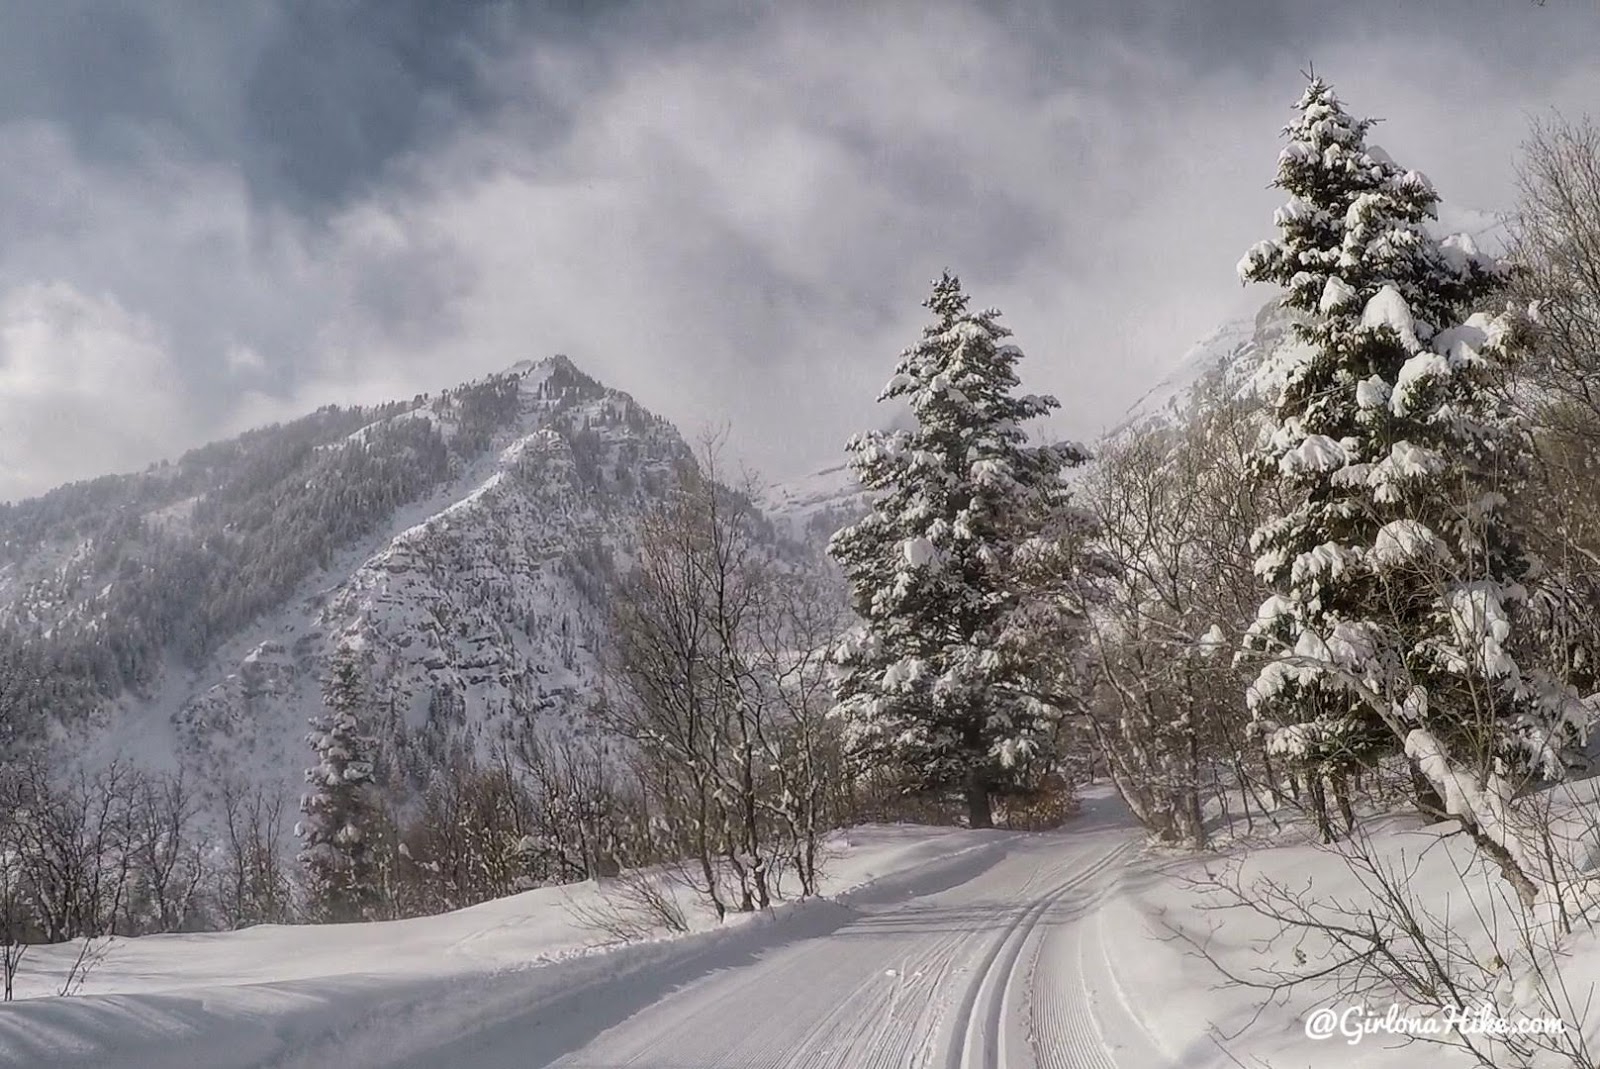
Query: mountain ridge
{"type": "Point", "coordinates": [474, 596]}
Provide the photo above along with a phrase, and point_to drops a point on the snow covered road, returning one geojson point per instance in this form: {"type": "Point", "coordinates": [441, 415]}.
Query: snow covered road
{"type": "Point", "coordinates": [963, 950]}
{"type": "Point", "coordinates": [982, 974]}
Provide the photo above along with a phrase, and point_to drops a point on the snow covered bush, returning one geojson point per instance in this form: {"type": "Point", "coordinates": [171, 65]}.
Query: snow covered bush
{"type": "Point", "coordinates": [927, 683]}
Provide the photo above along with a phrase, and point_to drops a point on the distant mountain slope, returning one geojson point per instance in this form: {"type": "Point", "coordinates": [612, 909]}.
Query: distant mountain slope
{"type": "Point", "coordinates": [461, 543]}
{"type": "Point", "coordinates": [1233, 351]}
{"type": "Point", "coordinates": [811, 507]}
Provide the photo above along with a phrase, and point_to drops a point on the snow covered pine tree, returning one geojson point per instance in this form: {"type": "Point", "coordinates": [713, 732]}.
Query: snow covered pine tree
{"type": "Point", "coordinates": [925, 684]}
{"type": "Point", "coordinates": [1398, 574]}
{"type": "Point", "coordinates": [339, 808]}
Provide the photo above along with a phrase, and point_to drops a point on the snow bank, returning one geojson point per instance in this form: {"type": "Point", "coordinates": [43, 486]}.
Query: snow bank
{"type": "Point", "coordinates": [1187, 1004]}
{"type": "Point", "coordinates": [260, 995]}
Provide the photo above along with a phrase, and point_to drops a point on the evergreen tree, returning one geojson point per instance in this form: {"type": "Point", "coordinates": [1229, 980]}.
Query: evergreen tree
{"type": "Point", "coordinates": [1397, 575]}
{"type": "Point", "coordinates": [927, 682]}
{"type": "Point", "coordinates": [340, 807]}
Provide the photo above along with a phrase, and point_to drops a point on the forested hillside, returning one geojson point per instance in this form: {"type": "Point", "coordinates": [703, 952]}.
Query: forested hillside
{"type": "Point", "coordinates": [204, 594]}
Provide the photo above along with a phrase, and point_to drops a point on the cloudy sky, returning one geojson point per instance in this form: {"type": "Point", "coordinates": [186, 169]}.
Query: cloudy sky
{"type": "Point", "coordinates": [217, 215]}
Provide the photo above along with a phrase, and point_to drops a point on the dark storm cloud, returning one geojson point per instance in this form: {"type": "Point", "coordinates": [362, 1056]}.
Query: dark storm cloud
{"type": "Point", "coordinates": [212, 215]}
{"type": "Point", "coordinates": [308, 99]}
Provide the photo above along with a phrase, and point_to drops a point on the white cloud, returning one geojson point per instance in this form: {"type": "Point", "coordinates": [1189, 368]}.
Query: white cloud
{"type": "Point", "coordinates": [83, 382]}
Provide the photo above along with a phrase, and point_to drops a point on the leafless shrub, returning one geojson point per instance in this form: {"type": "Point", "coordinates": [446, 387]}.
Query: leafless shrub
{"type": "Point", "coordinates": [91, 952]}
{"type": "Point", "coordinates": [15, 915]}
{"type": "Point", "coordinates": [167, 856]}
{"type": "Point", "coordinates": [1385, 942]}
{"type": "Point", "coordinates": [719, 692]}
{"type": "Point", "coordinates": [633, 905]}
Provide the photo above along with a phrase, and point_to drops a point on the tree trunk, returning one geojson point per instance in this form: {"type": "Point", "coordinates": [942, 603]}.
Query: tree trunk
{"type": "Point", "coordinates": [1246, 789]}
{"type": "Point", "coordinates": [1319, 804]}
{"type": "Point", "coordinates": [1274, 791]}
{"type": "Point", "coordinates": [978, 811]}
{"type": "Point", "coordinates": [1196, 809]}
{"type": "Point", "coordinates": [1510, 869]}
{"type": "Point", "coordinates": [1341, 794]}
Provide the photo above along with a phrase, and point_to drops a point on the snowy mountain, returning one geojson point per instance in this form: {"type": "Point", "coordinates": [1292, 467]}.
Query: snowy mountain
{"type": "Point", "coordinates": [1233, 351]}
{"type": "Point", "coordinates": [461, 544]}
{"type": "Point", "coordinates": [810, 508]}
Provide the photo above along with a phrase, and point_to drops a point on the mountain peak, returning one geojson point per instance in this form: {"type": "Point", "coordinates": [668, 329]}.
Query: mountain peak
{"type": "Point", "coordinates": [554, 378]}
{"type": "Point", "coordinates": [558, 362]}
{"type": "Point", "coordinates": [466, 539]}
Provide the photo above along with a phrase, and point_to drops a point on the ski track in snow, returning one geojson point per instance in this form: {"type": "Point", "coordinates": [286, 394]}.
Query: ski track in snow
{"type": "Point", "coordinates": [987, 1031]}
{"type": "Point", "coordinates": [991, 957]}
{"type": "Point", "coordinates": [1081, 1014]}
{"type": "Point", "coordinates": [940, 982]}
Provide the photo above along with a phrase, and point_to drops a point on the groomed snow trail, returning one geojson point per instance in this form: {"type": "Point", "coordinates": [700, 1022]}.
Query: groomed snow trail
{"type": "Point", "coordinates": [1083, 1018]}
{"type": "Point", "coordinates": [986, 955]}
{"type": "Point", "coordinates": [943, 979]}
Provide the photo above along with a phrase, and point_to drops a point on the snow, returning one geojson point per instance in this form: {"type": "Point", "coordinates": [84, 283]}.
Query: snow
{"type": "Point", "coordinates": [1417, 370]}
{"type": "Point", "coordinates": [1352, 644]}
{"type": "Point", "coordinates": [1418, 179]}
{"type": "Point", "coordinates": [795, 503]}
{"type": "Point", "coordinates": [1406, 460]}
{"type": "Point", "coordinates": [1257, 252]}
{"type": "Point", "coordinates": [1233, 352]}
{"type": "Point", "coordinates": [1402, 542]}
{"type": "Point", "coordinates": [1317, 452]}
{"type": "Point", "coordinates": [1483, 803]}
{"type": "Point", "coordinates": [1463, 342]}
{"type": "Point", "coordinates": [1460, 252]}
{"type": "Point", "coordinates": [1372, 392]}
{"type": "Point", "coordinates": [919, 552]}
{"type": "Point", "coordinates": [1275, 606]}
{"type": "Point", "coordinates": [1326, 561]}
{"type": "Point", "coordinates": [1482, 628]}
{"type": "Point", "coordinates": [1195, 1019]}
{"type": "Point", "coordinates": [1334, 295]}
{"type": "Point", "coordinates": [1388, 308]}
{"type": "Point", "coordinates": [522, 982]}
{"type": "Point", "coordinates": [491, 546]}
{"type": "Point", "coordinates": [935, 947]}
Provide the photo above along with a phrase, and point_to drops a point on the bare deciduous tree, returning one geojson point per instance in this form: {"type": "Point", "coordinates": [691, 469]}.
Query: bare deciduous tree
{"type": "Point", "coordinates": [252, 883]}
{"type": "Point", "coordinates": [718, 668]}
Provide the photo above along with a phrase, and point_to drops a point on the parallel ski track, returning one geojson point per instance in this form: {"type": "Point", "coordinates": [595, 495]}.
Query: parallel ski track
{"type": "Point", "coordinates": [1080, 1017]}
{"type": "Point", "coordinates": [980, 1038]}
{"type": "Point", "coordinates": [956, 1000]}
